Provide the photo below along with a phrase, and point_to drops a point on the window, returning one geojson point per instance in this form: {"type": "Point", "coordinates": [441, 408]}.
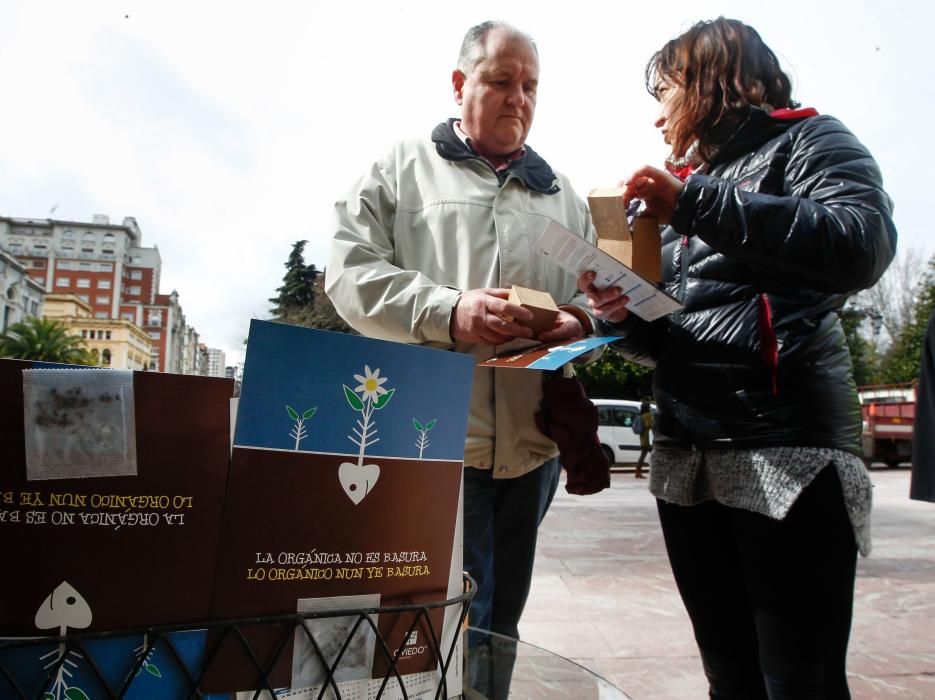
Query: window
{"type": "Point", "coordinates": [68, 245]}
{"type": "Point", "coordinates": [625, 416]}
{"type": "Point", "coordinates": [107, 335]}
{"type": "Point", "coordinates": [87, 251]}
{"type": "Point", "coordinates": [136, 260]}
{"type": "Point", "coordinates": [100, 314]}
{"type": "Point", "coordinates": [108, 238]}
{"type": "Point", "coordinates": [136, 274]}
{"type": "Point", "coordinates": [63, 264]}
{"type": "Point", "coordinates": [108, 252]}
{"type": "Point", "coordinates": [68, 233]}
{"type": "Point", "coordinates": [155, 318]}
{"type": "Point", "coordinates": [88, 236]}
{"type": "Point", "coordinates": [92, 334]}
{"type": "Point", "coordinates": [105, 267]}
{"type": "Point", "coordinates": [84, 283]}
{"type": "Point", "coordinates": [62, 281]}
{"type": "Point", "coordinates": [84, 333]}
{"type": "Point", "coordinates": [16, 248]}
{"type": "Point", "coordinates": [84, 297]}
{"type": "Point", "coordinates": [38, 264]}
{"type": "Point", "coordinates": [84, 266]}
{"type": "Point", "coordinates": [155, 335]}
{"type": "Point", "coordinates": [102, 299]}
{"type": "Point", "coordinates": [133, 289]}
{"type": "Point", "coordinates": [103, 284]}
{"type": "Point", "coordinates": [128, 316]}
{"type": "Point", "coordinates": [105, 356]}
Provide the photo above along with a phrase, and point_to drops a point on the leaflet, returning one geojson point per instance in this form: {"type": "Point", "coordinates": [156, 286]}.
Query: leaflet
{"type": "Point", "coordinates": [576, 255]}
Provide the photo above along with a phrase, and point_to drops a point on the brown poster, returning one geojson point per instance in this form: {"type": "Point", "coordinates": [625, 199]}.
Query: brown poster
{"type": "Point", "coordinates": [134, 547]}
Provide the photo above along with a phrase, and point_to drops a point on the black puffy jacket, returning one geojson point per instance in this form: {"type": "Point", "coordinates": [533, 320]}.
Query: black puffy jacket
{"type": "Point", "coordinates": [763, 250]}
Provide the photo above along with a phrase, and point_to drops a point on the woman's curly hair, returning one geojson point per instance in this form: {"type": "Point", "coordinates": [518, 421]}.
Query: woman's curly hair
{"type": "Point", "coordinates": [723, 67]}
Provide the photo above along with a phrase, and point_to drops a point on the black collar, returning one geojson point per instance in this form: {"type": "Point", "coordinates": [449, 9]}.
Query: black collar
{"type": "Point", "coordinates": [535, 173]}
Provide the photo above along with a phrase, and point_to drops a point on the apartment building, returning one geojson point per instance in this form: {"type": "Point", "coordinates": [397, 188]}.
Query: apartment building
{"type": "Point", "coordinates": [106, 266]}
{"type": "Point", "coordinates": [216, 367]}
{"type": "Point", "coordinates": [21, 296]}
{"type": "Point", "coordinates": [119, 344]}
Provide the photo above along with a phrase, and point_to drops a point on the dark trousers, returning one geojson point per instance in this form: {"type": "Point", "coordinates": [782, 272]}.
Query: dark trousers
{"type": "Point", "coordinates": [501, 524]}
{"type": "Point", "coordinates": [770, 601]}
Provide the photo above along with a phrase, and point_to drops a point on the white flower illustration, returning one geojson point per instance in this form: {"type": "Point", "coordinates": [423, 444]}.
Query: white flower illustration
{"type": "Point", "coordinates": [370, 384]}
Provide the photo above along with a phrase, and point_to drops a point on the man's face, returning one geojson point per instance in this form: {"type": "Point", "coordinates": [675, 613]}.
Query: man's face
{"type": "Point", "coordinates": [498, 98]}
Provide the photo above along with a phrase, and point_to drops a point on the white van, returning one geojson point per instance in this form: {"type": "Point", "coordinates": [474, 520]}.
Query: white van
{"type": "Point", "coordinates": [615, 419]}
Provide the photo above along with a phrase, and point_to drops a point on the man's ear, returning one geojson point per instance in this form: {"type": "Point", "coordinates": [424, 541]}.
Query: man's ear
{"type": "Point", "coordinates": [457, 82]}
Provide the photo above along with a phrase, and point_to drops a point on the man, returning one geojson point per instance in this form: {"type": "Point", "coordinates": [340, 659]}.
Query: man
{"type": "Point", "coordinates": [425, 249]}
{"type": "Point", "coordinates": [646, 426]}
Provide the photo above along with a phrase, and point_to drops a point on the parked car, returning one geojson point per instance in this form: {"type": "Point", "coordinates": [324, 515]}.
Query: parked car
{"type": "Point", "coordinates": [615, 418]}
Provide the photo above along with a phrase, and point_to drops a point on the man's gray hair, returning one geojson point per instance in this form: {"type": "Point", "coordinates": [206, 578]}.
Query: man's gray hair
{"type": "Point", "coordinates": [473, 48]}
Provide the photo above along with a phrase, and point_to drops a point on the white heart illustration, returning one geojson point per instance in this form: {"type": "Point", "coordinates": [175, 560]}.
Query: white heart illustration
{"type": "Point", "coordinates": [357, 481]}
{"type": "Point", "coordinates": [64, 607]}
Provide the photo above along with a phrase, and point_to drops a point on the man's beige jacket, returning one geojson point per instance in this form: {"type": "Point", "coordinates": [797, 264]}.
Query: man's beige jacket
{"type": "Point", "coordinates": [415, 231]}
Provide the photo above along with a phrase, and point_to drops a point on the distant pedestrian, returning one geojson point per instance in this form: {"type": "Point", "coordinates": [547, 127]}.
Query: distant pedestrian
{"type": "Point", "coordinates": [923, 438]}
{"type": "Point", "coordinates": [646, 419]}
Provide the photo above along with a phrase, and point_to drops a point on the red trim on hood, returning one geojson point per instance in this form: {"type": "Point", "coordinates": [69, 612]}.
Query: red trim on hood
{"type": "Point", "coordinates": [786, 113]}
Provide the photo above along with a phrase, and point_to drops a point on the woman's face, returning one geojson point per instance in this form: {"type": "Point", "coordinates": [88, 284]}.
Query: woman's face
{"type": "Point", "coordinates": [670, 96]}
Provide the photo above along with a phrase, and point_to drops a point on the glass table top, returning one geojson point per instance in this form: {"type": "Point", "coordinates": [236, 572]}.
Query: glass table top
{"type": "Point", "coordinates": [499, 667]}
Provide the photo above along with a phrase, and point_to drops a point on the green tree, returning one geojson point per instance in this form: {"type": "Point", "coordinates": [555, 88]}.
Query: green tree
{"type": "Point", "coordinates": [864, 356]}
{"type": "Point", "coordinates": [613, 377]}
{"type": "Point", "coordinates": [298, 284]}
{"type": "Point", "coordinates": [901, 361]}
{"type": "Point", "coordinates": [43, 339]}
{"type": "Point", "coordinates": [302, 300]}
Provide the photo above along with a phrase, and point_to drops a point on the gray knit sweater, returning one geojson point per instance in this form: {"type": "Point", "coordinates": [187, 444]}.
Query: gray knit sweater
{"type": "Point", "coordinates": [765, 481]}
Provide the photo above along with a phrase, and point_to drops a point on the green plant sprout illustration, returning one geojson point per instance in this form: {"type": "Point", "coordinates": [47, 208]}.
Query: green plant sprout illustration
{"type": "Point", "coordinates": [423, 440]}
{"type": "Point", "coordinates": [298, 430]}
{"type": "Point", "coordinates": [358, 479]}
{"type": "Point", "coordinates": [147, 664]}
{"type": "Point", "coordinates": [63, 608]}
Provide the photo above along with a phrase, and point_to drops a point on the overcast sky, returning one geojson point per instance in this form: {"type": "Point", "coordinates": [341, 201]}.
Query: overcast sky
{"type": "Point", "coordinates": [229, 129]}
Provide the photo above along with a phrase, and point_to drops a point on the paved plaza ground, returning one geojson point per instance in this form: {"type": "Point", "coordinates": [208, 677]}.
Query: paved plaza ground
{"type": "Point", "coordinates": [603, 595]}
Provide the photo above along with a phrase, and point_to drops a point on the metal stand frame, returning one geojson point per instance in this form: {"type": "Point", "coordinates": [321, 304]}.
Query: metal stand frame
{"type": "Point", "coordinates": [223, 629]}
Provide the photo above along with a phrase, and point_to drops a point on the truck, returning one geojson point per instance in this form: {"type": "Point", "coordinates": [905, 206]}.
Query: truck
{"type": "Point", "coordinates": [888, 418]}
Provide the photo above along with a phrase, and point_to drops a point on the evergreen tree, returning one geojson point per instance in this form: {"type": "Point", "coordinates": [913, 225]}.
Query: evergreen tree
{"type": "Point", "coordinates": [301, 300]}
{"type": "Point", "coordinates": [45, 340]}
{"type": "Point", "coordinates": [864, 357]}
{"type": "Point", "coordinates": [298, 284]}
{"type": "Point", "coordinates": [901, 362]}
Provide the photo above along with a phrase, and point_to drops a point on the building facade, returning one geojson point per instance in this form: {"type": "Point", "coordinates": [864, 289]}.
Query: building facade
{"type": "Point", "coordinates": [106, 266]}
{"type": "Point", "coordinates": [216, 367]}
{"type": "Point", "coordinates": [22, 296]}
{"type": "Point", "coordinates": [118, 343]}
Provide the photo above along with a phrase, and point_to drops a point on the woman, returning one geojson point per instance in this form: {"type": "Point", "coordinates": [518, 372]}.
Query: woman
{"type": "Point", "coordinates": [776, 214]}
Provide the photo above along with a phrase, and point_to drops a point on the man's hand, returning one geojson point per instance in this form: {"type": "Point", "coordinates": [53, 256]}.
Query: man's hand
{"type": "Point", "coordinates": [657, 188]}
{"type": "Point", "coordinates": [607, 304]}
{"type": "Point", "coordinates": [566, 326]}
{"type": "Point", "coordinates": [478, 317]}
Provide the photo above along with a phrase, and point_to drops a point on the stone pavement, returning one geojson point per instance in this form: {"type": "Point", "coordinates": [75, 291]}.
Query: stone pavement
{"type": "Point", "coordinates": [603, 595]}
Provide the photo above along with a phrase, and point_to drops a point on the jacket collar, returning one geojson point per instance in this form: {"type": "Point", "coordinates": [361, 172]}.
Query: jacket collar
{"type": "Point", "coordinates": [535, 173]}
{"type": "Point", "coordinates": [759, 127]}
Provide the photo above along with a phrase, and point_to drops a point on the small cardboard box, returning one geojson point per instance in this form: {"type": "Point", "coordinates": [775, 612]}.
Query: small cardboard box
{"type": "Point", "coordinates": [639, 248]}
{"type": "Point", "coordinates": [541, 304]}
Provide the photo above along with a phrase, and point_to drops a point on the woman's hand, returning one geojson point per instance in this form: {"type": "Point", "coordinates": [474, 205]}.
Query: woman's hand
{"type": "Point", "coordinates": [659, 189]}
{"type": "Point", "coordinates": [607, 304]}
